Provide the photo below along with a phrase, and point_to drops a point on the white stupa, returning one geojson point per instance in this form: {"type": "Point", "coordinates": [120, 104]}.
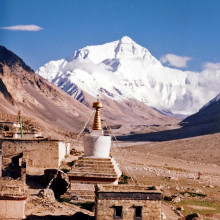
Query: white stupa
{"type": "Point", "coordinates": [96, 165]}
{"type": "Point", "coordinates": [95, 144]}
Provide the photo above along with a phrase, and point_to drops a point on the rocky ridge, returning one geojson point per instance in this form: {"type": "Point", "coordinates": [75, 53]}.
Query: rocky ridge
{"type": "Point", "coordinates": [21, 89]}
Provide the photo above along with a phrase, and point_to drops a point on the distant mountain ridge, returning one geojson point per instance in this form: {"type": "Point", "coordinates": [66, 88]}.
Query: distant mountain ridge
{"type": "Point", "coordinates": [123, 70]}
{"type": "Point", "coordinates": [10, 59]}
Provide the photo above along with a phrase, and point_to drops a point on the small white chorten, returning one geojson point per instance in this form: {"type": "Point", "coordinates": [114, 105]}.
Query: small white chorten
{"type": "Point", "coordinates": [95, 144]}
{"type": "Point", "coordinates": [95, 166]}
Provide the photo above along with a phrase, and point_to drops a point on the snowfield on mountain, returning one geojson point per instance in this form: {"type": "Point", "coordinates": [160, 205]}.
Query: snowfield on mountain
{"type": "Point", "coordinates": [123, 70]}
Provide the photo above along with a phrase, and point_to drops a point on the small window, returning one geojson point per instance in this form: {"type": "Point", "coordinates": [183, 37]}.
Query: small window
{"type": "Point", "coordinates": [138, 212]}
{"type": "Point", "coordinates": [118, 212]}
{"type": "Point", "coordinates": [6, 128]}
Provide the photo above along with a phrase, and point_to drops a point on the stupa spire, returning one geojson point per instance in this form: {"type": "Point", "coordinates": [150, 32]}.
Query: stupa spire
{"type": "Point", "coordinates": [97, 119]}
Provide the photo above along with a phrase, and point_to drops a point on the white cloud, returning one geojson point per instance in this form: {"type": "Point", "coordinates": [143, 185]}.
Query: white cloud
{"type": "Point", "coordinates": [31, 27]}
{"type": "Point", "coordinates": [204, 85]}
{"type": "Point", "coordinates": [208, 66]}
{"type": "Point", "coordinates": [211, 76]}
{"type": "Point", "coordinates": [175, 60]}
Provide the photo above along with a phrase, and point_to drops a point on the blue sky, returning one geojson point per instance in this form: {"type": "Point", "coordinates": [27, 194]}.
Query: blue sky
{"type": "Point", "coordinates": [189, 28]}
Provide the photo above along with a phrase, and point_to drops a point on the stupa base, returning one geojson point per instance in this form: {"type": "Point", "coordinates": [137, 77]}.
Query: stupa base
{"type": "Point", "coordinates": [86, 173]}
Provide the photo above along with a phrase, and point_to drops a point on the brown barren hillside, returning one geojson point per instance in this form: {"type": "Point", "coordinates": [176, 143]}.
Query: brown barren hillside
{"type": "Point", "coordinates": [131, 115]}
{"type": "Point", "coordinates": [21, 89]}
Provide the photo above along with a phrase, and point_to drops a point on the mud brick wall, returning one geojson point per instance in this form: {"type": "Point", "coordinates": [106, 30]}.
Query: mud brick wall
{"type": "Point", "coordinates": [150, 203]}
{"type": "Point", "coordinates": [151, 210]}
{"type": "Point", "coordinates": [40, 153]}
{"type": "Point", "coordinates": [12, 209]}
{"type": "Point", "coordinates": [12, 199]}
{"type": "Point", "coordinates": [46, 155]}
{"type": "Point", "coordinates": [16, 146]}
{"type": "Point", "coordinates": [14, 187]}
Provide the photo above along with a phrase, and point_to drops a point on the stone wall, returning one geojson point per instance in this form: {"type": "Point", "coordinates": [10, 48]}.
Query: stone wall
{"type": "Point", "coordinates": [15, 146]}
{"type": "Point", "coordinates": [12, 134]}
{"type": "Point", "coordinates": [27, 135]}
{"type": "Point", "coordinates": [151, 210]}
{"type": "Point", "coordinates": [128, 199]}
{"type": "Point", "coordinates": [10, 186]}
{"type": "Point", "coordinates": [40, 153]}
{"type": "Point", "coordinates": [45, 155]}
{"type": "Point", "coordinates": [12, 199]}
{"type": "Point", "coordinates": [12, 209]}
{"type": "Point", "coordinates": [9, 126]}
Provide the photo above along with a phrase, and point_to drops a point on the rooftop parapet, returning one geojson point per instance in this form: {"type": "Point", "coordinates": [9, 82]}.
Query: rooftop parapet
{"type": "Point", "coordinates": [126, 188]}
{"type": "Point", "coordinates": [12, 189]}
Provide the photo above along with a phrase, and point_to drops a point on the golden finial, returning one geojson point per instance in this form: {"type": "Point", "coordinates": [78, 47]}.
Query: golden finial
{"type": "Point", "coordinates": [97, 120]}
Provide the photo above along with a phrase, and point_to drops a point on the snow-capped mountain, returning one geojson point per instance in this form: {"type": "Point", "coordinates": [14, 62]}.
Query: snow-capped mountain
{"type": "Point", "coordinates": [123, 70]}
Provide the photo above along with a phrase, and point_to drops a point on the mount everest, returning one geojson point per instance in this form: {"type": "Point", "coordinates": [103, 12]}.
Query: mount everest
{"type": "Point", "coordinates": [123, 70]}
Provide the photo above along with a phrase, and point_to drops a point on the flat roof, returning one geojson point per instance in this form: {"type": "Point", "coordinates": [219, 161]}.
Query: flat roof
{"type": "Point", "coordinates": [126, 188]}
{"type": "Point", "coordinates": [31, 139]}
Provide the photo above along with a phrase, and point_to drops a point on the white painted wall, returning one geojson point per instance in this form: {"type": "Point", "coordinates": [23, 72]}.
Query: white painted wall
{"type": "Point", "coordinates": [12, 209]}
{"type": "Point", "coordinates": [97, 146]}
{"type": "Point", "coordinates": [67, 148]}
{"type": "Point", "coordinates": [62, 151]}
